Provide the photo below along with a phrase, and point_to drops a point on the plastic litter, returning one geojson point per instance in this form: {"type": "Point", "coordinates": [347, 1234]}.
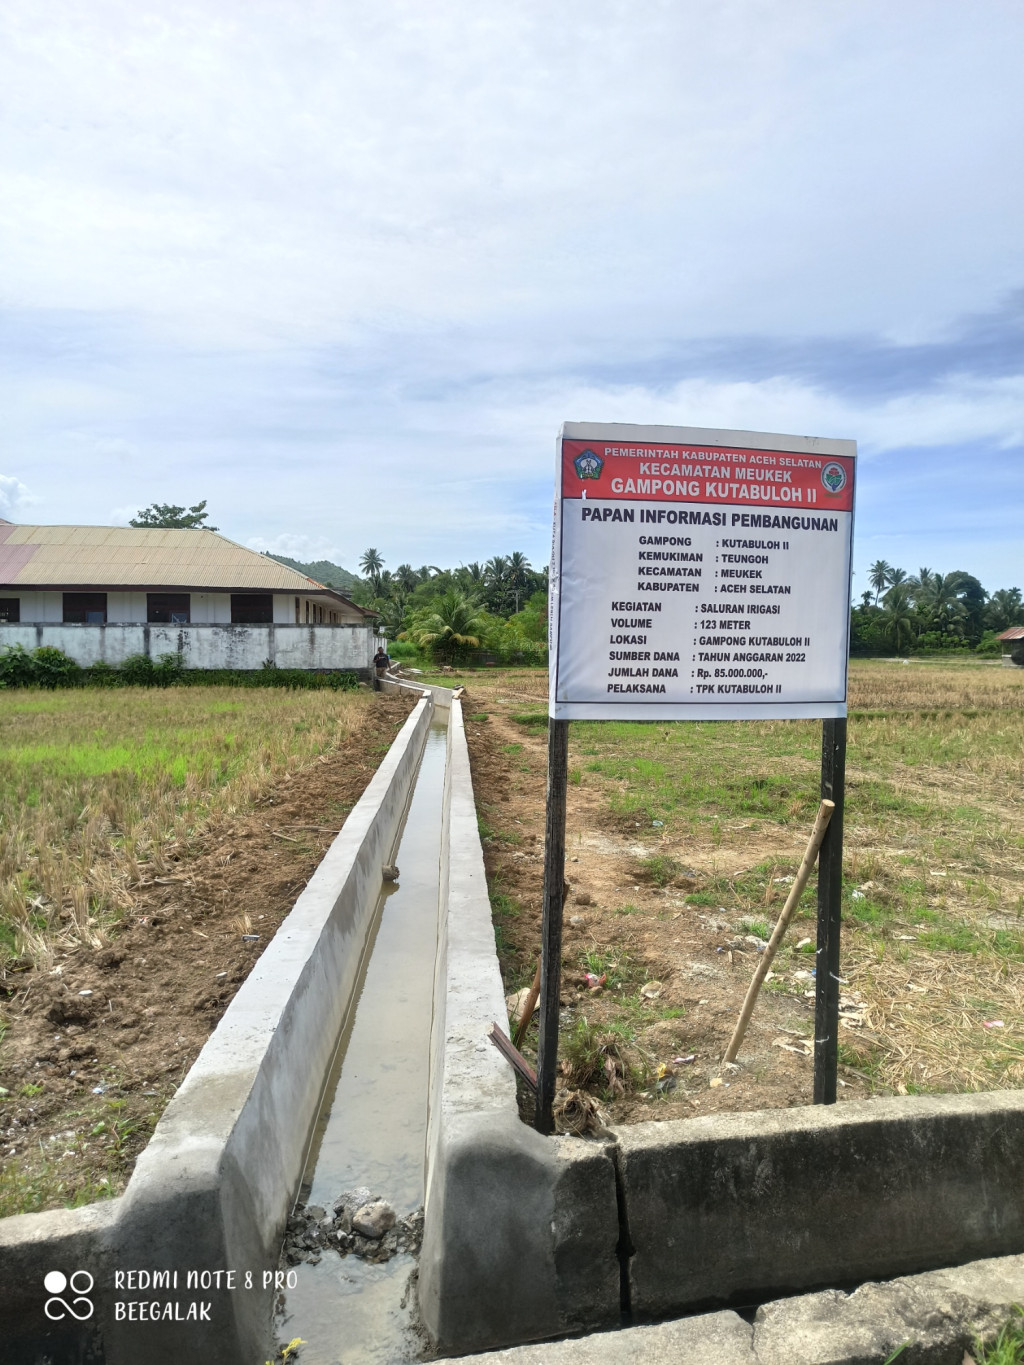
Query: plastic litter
{"type": "Point", "coordinates": [994, 1023]}
{"type": "Point", "coordinates": [593, 982]}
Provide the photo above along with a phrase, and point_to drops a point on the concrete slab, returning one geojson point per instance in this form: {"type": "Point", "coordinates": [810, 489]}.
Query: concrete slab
{"type": "Point", "coordinates": [714, 1339]}
{"type": "Point", "coordinates": [738, 1208]}
{"type": "Point", "coordinates": [934, 1318]}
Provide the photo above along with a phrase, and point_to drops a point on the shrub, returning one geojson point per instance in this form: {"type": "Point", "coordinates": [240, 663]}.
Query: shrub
{"type": "Point", "coordinates": [17, 667]}
{"type": "Point", "coordinates": [53, 668]}
{"type": "Point", "coordinates": [137, 671]}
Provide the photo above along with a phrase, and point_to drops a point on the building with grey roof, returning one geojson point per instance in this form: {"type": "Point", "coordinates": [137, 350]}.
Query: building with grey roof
{"type": "Point", "coordinates": [109, 592]}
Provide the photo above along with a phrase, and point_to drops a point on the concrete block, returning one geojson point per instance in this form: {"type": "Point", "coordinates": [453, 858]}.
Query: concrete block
{"type": "Point", "coordinates": [522, 1237]}
{"type": "Point", "coordinates": [743, 1207]}
{"type": "Point", "coordinates": [935, 1317]}
{"type": "Point", "coordinates": [713, 1339]}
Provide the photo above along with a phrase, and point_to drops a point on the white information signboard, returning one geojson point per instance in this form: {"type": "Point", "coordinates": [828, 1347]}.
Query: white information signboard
{"type": "Point", "coordinates": [699, 575]}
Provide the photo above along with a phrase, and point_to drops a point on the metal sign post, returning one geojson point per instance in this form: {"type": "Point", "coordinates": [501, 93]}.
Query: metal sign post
{"type": "Point", "coordinates": [830, 902]}
{"type": "Point", "coordinates": [551, 926]}
{"type": "Point", "coordinates": [697, 575]}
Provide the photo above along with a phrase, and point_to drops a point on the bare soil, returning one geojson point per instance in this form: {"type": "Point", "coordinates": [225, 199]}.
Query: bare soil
{"type": "Point", "coordinates": [692, 960]}
{"type": "Point", "coordinates": [96, 1048]}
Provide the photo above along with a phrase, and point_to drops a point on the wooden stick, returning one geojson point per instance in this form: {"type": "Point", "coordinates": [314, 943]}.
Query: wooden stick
{"type": "Point", "coordinates": [810, 856]}
{"type": "Point", "coordinates": [511, 1053]}
{"type": "Point", "coordinates": [529, 1005]}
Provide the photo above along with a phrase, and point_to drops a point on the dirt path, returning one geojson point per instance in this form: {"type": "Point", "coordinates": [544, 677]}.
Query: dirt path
{"type": "Point", "coordinates": [96, 1048]}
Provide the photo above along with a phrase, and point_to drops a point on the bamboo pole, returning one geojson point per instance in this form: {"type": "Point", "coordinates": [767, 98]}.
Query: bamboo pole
{"type": "Point", "coordinates": [796, 891]}
{"type": "Point", "coordinates": [529, 1005]}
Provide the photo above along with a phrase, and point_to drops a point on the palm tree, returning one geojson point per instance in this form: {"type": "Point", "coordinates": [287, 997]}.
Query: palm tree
{"type": "Point", "coordinates": [896, 576]}
{"type": "Point", "coordinates": [405, 577]}
{"type": "Point", "coordinates": [518, 575]}
{"type": "Point", "coordinates": [942, 606]}
{"type": "Point", "coordinates": [451, 625]}
{"type": "Point", "coordinates": [392, 615]}
{"type": "Point", "coordinates": [878, 576]}
{"type": "Point", "coordinates": [1005, 609]}
{"type": "Point", "coordinates": [919, 585]}
{"type": "Point", "coordinates": [898, 618]}
{"type": "Point", "coordinates": [371, 562]}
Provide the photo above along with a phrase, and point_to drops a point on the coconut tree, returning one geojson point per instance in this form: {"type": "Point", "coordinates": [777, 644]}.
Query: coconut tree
{"type": "Point", "coordinates": [518, 576]}
{"type": "Point", "coordinates": [449, 626]}
{"type": "Point", "coordinates": [878, 576]}
{"type": "Point", "coordinates": [897, 622]}
{"type": "Point", "coordinates": [941, 604]}
{"type": "Point", "coordinates": [372, 562]}
{"type": "Point", "coordinates": [1005, 609]}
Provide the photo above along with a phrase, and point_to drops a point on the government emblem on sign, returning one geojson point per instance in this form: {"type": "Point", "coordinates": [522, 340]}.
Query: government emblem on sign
{"type": "Point", "coordinates": [588, 465]}
{"type": "Point", "coordinates": [833, 476]}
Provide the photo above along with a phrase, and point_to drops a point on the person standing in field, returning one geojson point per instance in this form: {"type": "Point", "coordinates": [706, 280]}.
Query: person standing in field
{"type": "Point", "coordinates": [381, 664]}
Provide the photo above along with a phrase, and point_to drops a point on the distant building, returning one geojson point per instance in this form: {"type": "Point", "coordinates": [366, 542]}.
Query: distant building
{"type": "Point", "coordinates": [1010, 640]}
{"type": "Point", "coordinates": [108, 592]}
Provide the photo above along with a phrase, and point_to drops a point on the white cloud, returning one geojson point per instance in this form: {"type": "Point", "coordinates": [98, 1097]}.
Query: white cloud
{"type": "Point", "coordinates": [306, 549]}
{"type": "Point", "coordinates": [15, 497]}
{"type": "Point", "coordinates": [251, 174]}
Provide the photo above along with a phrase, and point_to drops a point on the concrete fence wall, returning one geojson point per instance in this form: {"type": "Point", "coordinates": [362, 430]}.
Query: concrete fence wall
{"type": "Point", "coordinates": [213, 1188]}
{"type": "Point", "coordinates": [204, 646]}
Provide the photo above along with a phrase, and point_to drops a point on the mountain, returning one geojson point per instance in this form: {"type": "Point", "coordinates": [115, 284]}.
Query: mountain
{"type": "Point", "coordinates": [330, 575]}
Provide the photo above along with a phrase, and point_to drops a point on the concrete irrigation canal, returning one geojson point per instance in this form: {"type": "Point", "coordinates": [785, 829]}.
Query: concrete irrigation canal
{"type": "Point", "coordinates": [353, 1066]}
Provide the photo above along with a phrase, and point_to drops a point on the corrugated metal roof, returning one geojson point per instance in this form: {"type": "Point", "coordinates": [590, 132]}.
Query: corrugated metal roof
{"type": "Point", "coordinates": [1014, 633]}
{"type": "Point", "coordinates": [135, 557]}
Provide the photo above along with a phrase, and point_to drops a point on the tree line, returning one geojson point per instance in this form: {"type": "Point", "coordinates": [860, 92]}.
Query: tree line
{"type": "Point", "coordinates": [931, 610]}
{"type": "Point", "coordinates": [499, 607]}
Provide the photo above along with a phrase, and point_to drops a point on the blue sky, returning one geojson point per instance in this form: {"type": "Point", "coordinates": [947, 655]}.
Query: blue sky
{"type": "Point", "coordinates": [342, 268]}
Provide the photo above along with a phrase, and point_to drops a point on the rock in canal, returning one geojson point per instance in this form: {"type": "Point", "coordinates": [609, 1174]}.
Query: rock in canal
{"type": "Point", "coordinates": [373, 1219]}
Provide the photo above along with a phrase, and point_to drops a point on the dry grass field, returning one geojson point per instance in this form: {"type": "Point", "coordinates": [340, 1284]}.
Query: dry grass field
{"type": "Point", "coordinates": [681, 838]}
{"type": "Point", "coordinates": [151, 843]}
{"type": "Point", "coordinates": [99, 790]}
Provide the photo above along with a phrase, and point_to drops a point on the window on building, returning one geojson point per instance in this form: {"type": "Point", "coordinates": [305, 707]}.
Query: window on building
{"type": "Point", "coordinates": [307, 611]}
{"type": "Point", "coordinates": [169, 608]}
{"type": "Point", "coordinates": [298, 621]}
{"type": "Point", "coordinates": [252, 608]}
{"type": "Point", "coordinates": [10, 611]}
{"type": "Point", "coordinates": [85, 608]}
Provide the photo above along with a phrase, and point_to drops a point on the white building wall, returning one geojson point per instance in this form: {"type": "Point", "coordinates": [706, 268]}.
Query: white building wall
{"type": "Point", "coordinates": [40, 606]}
{"type": "Point", "coordinates": [207, 608]}
{"type": "Point", "coordinates": [126, 607]}
{"type": "Point", "coordinates": [211, 608]}
{"type": "Point", "coordinates": [204, 646]}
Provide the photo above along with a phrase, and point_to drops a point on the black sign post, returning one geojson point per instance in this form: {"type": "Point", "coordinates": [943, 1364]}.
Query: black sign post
{"type": "Point", "coordinates": [551, 926]}
{"type": "Point", "coordinates": [830, 902]}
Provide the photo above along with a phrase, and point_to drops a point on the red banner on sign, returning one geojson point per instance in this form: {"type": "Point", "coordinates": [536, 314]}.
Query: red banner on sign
{"type": "Point", "coordinates": [708, 474]}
